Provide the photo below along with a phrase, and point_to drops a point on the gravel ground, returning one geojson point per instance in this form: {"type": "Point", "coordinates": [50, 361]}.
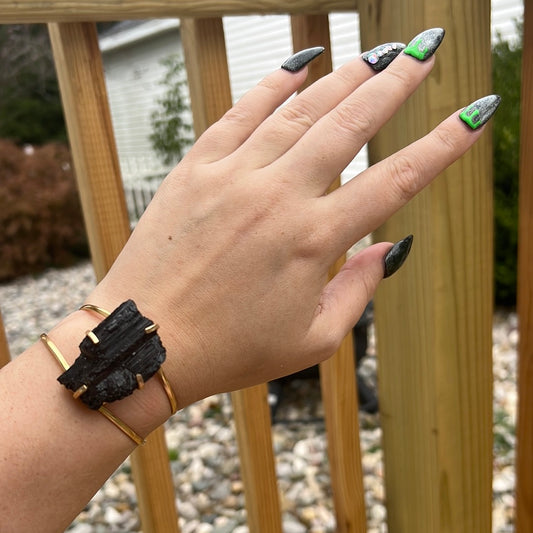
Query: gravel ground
{"type": "Point", "coordinates": [202, 446]}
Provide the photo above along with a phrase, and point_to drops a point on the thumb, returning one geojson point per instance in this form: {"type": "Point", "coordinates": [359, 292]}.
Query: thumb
{"type": "Point", "coordinates": [345, 297]}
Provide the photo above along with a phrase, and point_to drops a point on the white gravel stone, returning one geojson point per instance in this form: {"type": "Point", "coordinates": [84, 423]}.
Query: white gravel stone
{"type": "Point", "coordinates": [206, 471]}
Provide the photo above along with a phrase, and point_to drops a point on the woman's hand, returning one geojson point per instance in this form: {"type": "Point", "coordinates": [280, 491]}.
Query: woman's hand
{"type": "Point", "coordinates": [231, 257]}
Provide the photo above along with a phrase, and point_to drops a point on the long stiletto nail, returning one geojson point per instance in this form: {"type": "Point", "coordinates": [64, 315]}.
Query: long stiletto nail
{"type": "Point", "coordinates": [480, 111]}
{"type": "Point", "coordinates": [379, 58]}
{"type": "Point", "coordinates": [396, 256]}
{"type": "Point", "coordinates": [425, 44]}
{"type": "Point", "coordinates": [298, 61]}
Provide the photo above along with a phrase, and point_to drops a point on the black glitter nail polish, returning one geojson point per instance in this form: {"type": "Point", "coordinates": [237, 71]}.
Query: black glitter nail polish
{"type": "Point", "coordinates": [298, 61]}
{"type": "Point", "coordinates": [379, 58]}
{"type": "Point", "coordinates": [480, 111]}
{"type": "Point", "coordinates": [425, 44]}
{"type": "Point", "coordinates": [396, 256]}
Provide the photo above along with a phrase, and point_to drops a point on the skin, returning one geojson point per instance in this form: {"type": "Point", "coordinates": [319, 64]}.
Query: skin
{"type": "Point", "coordinates": [231, 260]}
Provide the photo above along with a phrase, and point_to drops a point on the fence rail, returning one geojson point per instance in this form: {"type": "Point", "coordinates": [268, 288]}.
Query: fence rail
{"type": "Point", "coordinates": [28, 11]}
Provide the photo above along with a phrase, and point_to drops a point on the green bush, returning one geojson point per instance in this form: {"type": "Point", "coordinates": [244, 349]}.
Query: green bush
{"type": "Point", "coordinates": [40, 212]}
{"type": "Point", "coordinates": [506, 68]}
{"type": "Point", "coordinates": [30, 107]}
{"type": "Point", "coordinates": [172, 130]}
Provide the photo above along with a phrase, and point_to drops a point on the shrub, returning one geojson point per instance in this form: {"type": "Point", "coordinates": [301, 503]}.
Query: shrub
{"type": "Point", "coordinates": [506, 69]}
{"type": "Point", "coordinates": [171, 123]}
{"type": "Point", "coordinates": [40, 214]}
{"type": "Point", "coordinates": [30, 107]}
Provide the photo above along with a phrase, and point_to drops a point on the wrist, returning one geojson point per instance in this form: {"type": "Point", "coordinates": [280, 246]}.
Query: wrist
{"type": "Point", "coordinates": [143, 410]}
{"type": "Point", "coordinates": [188, 371]}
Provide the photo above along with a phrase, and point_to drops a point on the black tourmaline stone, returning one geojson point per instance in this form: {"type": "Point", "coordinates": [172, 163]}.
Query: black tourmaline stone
{"type": "Point", "coordinates": [109, 368]}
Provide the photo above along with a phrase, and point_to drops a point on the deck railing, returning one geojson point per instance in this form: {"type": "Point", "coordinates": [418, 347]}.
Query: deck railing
{"type": "Point", "coordinates": [433, 321]}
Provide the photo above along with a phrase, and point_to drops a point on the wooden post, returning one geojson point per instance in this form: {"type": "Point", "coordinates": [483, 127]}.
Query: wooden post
{"type": "Point", "coordinates": [4, 347]}
{"type": "Point", "coordinates": [205, 58]}
{"type": "Point", "coordinates": [337, 374]}
{"type": "Point", "coordinates": [81, 80]}
{"type": "Point", "coordinates": [434, 318]}
{"type": "Point", "coordinates": [524, 457]}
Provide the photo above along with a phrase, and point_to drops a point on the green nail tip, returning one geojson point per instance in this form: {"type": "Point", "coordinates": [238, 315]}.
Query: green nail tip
{"type": "Point", "coordinates": [425, 44]}
{"type": "Point", "coordinates": [414, 49]}
{"type": "Point", "coordinates": [479, 112]}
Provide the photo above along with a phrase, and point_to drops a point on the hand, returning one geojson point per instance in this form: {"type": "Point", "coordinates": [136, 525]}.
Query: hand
{"type": "Point", "coordinates": [231, 257]}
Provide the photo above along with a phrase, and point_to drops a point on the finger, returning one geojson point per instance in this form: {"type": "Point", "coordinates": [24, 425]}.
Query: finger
{"type": "Point", "coordinates": [284, 128]}
{"type": "Point", "coordinates": [226, 135]}
{"type": "Point", "coordinates": [364, 203]}
{"type": "Point", "coordinates": [327, 148]}
{"type": "Point", "coordinates": [345, 297]}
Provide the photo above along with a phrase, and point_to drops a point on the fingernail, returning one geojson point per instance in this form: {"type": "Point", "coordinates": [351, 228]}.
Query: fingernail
{"type": "Point", "coordinates": [298, 61]}
{"type": "Point", "coordinates": [380, 57]}
{"type": "Point", "coordinates": [425, 44]}
{"type": "Point", "coordinates": [480, 111]}
{"type": "Point", "coordinates": [396, 256]}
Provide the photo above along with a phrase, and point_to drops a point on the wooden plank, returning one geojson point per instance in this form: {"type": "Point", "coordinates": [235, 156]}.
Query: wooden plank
{"type": "Point", "coordinates": [154, 485]}
{"type": "Point", "coordinates": [81, 80]}
{"type": "Point", "coordinates": [434, 318]}
{"type": "Point", "coordinates": [4, 347]}
{"type": "Point", "coordinates": [31, 11]}
{"type": "Point", "coordinates": [83, 92]}
{"type": "Point", "coordinates": [524, 430]}
{"type": "Point", "coordinates": [209, 85]}
{"type": "Point", "coordinates": [337, 374]}
{"type": "Point", "coordinates": [254, 437]}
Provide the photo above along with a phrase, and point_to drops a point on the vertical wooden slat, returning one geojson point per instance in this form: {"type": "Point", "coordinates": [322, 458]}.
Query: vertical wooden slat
{"type": "Point", "coordinates": [4, 347]}
{"type": "Point", "coordinates": [81, 79]}
{"type": "Point", "coordinates": [524, 457]}
{"type": "Point", "coordinates": [337, 374]}
{"type": "Point", "coordinates": [434, 318]}
{"type": "Point", "coordinates": [253, 426]}
{"type": "Point", "coordinates": [206, 61]}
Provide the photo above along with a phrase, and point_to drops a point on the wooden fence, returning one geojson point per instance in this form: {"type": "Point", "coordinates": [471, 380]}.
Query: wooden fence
{"type": "Point", "coordinates": [433, 328]}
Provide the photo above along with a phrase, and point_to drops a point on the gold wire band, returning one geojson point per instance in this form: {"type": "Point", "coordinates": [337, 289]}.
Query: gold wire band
{"type": "Point", "coordinates": [164, 381]}
{"type": "Point", "coordinates": [54, 350]}
{"type": "Point", "coordinates": [168, 389]}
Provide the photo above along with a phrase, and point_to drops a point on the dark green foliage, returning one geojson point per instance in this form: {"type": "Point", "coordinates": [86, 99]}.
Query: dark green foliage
{"type": "Point", "coordinates": [172, 131]}
{"type": "Point", "coordinates": [40, 214]}
{"type": "Point", "coordinates": [506, 67]}
{"type": "Point", "coordinates": [30, 105]}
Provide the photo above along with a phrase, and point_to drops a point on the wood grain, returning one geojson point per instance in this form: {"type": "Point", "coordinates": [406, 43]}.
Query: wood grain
{"type": "Point", "coordinates": [524, 458]}
{"type": "Point", "coordinates": [337, 374]}
{"type": "Point", "coordinates": [31, 11]}
{"type": "Point", "coordinates": [82, 84]}
{"type": "Point", "coordinates": [4, 347]}
{"type": "Point", "coordinates": [207, 70]}
{"type": "Point", "coordinates": [434, 317]}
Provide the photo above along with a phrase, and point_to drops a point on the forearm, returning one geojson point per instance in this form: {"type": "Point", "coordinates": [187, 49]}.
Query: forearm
{"type": "Point", "coordinates": [55, 453]}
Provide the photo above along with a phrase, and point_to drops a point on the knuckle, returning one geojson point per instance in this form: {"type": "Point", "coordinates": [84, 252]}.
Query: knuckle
{"type": "Point", "coordinates": [239, 114]}
{"type": "Point", "coordinates": [406, 176]}
{"type": "Point", "coordinates": [297, 113]}
{"type": "Point", "coordinates": [270, 84]}
{"type": "Point", "coordinates": [312, 242]}
{"type": "Point", "coordinates": [446, 139]}
{"type": "Point", "coordinates": [354, 118]}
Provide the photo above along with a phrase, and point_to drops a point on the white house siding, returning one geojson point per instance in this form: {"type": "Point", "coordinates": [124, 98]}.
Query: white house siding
{"type": "Point", "coordinates": [256, 45]}
{"type": "Point", "coordinates": [133, 74]}
{"type": "Point", "coordinates": [505, 14]}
